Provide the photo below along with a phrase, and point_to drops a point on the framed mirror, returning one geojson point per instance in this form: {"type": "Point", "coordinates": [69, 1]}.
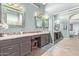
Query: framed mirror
{"type": "Point", "coordinates": [56, 27]}
{"type": "Point", "coordinates": [12, 16]}
{"type": "Point", "coordinates": [38, 22]}
{"type": "Point", "coordinates": [46, 23]}
{"type": "Point", "coordinates": [41, 22]}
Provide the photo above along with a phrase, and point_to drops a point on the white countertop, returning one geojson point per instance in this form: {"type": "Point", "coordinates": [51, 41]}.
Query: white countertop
{"type": "Point", "coordinates": [21, 35]}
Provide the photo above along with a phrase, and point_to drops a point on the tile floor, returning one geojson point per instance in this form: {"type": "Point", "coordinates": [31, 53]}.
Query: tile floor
{"type": "Point", "coordinates": [40, 51]}
{"type": "Point", "coordinates": [66, 47]}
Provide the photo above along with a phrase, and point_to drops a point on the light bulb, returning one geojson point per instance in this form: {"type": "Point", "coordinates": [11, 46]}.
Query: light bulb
{"type": "Point", "coordinates": [35, 13]}
{"type": "Point", "coordinates": [15, 5]}
{"type": "Point", "coordinates": [45, 17]}
{"type": "Point", "coordinates": [21, 7]}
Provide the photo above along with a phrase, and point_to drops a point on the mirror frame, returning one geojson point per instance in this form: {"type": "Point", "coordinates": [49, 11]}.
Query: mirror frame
{"type": "Point", "coordinates": [5, 10]}
{"type": "Point", "coordinates": [43, 22]}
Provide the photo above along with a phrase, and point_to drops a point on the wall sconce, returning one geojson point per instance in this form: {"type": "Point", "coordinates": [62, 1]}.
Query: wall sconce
{"type": "Point", "coordinates": [4, 26]}
{"type": "Point", "coordinates": [45, 17]}
{"type": "Point", "coordinates": [35, 14]}
{"type": "Point", "coordinates": [38, 13]}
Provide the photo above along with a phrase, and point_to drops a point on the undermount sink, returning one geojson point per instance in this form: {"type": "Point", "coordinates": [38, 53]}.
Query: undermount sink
{"type": "Point", "coordinates": [3, 35]}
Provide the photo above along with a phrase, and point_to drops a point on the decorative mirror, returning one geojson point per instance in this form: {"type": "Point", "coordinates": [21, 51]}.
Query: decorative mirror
{"type": "Point", "coordinates": [45, 23]}
{"type": "Point", "coordinates": [65, 27]}
{"type": "Point", "coordinates": [38, 22]}
{"type": "Point", "coordinates": [57, 27]}
{"type": "Point", "coordinates": [13, 14]}
{"type": "Point", "coordinates": [41, 21]}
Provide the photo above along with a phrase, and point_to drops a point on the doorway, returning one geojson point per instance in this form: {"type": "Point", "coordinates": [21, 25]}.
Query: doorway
{"type": "Point", "coordinates": [74, 26]}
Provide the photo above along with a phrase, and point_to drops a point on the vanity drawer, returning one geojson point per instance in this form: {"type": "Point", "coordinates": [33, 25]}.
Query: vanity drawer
{"type": "Point", "coordinates": [9, 41]}
{"type": "Point", "coordinates": [9, 49]}
{"type": "Point", "coordinates": [25, 45]}
{"type": "Point", "coordinates": [25, 39]}
{"type": "Point", "coordinates": [25, 48]}
{"type": "Point", "coordinates": [44, 39]}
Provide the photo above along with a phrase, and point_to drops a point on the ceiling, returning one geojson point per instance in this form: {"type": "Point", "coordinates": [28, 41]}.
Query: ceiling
{"type": "Point", "coordinates": [40, 5]}
{"type": "Point", "coordinates": [54, 8]}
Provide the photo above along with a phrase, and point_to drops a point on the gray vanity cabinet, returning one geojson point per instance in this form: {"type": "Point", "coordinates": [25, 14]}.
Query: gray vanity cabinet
{"type": "Point", "coordinates": [9, 47]}
{"type": "Point", "coordinates": [21, 46]}
{"type": "Point", "coordinates": [25, 45]}
{"type": "Point", "coordinates": [44, 39]}
{"type": "Point", "coordinates": [15, 47]}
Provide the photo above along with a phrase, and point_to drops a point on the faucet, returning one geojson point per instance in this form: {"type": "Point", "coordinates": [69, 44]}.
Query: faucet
{"type": "Point", "coordinates": [21, 32]}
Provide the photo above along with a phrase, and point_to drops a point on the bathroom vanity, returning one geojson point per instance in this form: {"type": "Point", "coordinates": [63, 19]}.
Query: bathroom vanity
{"type": "Point", "coordinates": [20, 45]}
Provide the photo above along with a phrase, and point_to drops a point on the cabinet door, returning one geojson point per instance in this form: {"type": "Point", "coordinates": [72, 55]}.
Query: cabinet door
{"type": "Point", "coordinates": [25, 46]}
{"type": "Point", "coordinates": [44, 39]}
{"type": "Point", "coordinates": [25, 49]}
